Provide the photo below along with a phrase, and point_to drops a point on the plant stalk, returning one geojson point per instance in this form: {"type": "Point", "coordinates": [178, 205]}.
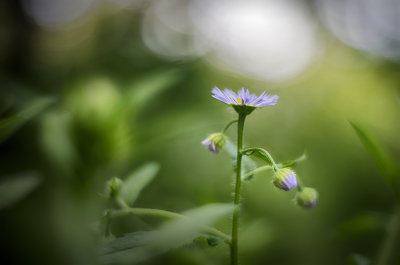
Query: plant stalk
{"type": "Point", "coordinates": [236, 200]}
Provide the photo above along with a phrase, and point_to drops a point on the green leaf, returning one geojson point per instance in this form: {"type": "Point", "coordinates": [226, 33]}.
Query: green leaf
{"type": "Point", "coordinates": [57, 141]}
{"type": "Point", "coordinates": [17, 188]}
{"type": "Point", "coordinates": [383, 160]}
{"type": "Point", "coordinates": [143, 90]}
{"type": "Point", "coordinates": [137, 247]}
{"type": "Point", "coordinates": [248, 164]}
{"type": "Point", "coordinates": [356, 259]}
{"type": "Point", "coordinates": [291, 163]}
{"type": "Point", "coordinates": [10, 124]}
{"type": "Point", "coordinates": [137, 181]}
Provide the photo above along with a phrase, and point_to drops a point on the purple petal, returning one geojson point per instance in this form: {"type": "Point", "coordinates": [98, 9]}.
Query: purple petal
{"type": "Point", "coordinates": [218, 94]}
{"type": "Point", "coordinates": [244, 97]}
{"type": "Point", "coordinates": [267, 100]}
{"type": "Point", "coordinates": [233, 97]}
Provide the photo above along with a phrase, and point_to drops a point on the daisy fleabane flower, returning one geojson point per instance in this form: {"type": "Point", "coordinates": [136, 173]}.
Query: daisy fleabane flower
{"type": "Point", "coordinates": [244, 97]}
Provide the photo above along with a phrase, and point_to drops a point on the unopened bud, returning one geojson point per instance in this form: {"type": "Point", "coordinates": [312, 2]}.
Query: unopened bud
{"type": "Point", "coordinates": [215, 142]}
{"type": "Point", "coordinates": [285, 179]}
{"type": "Point", "coordinates": [113, 187]}
{"type": "Point", "coordinates": [307, 197]}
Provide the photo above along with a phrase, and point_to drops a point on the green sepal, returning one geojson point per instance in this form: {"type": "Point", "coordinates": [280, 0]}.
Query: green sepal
{"type": "Point", "coordinates": [243, 109]}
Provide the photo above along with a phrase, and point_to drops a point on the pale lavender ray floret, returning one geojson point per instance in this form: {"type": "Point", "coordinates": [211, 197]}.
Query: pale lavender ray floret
{"type": "Point", "coordinates": [244, 97]}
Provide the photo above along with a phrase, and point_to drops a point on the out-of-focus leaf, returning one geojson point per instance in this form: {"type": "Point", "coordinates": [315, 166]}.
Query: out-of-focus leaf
{"type": "Point", "coordinates": [383, 160]}
{"type": "Point", "coordinates": [143, 90]}
{"type": "Point", "coordinates": [137, 247]}
{"type": "Point", "coordinates": [291, 163]}
{"type": "Point", "coordinates": [17, 188]}
{"type": "Point", "coordinates": [137, 180]}
{"type": "Point", "coordinates": [9, 125]}
{"type": "Point", "coordinates": [356, 259]}
{"type": "Point", "coordinates": [56, 140]}
{"type": "Point", "coordinates": [248, 164]}
{"type": "Point", "coordinates": [363, 223]}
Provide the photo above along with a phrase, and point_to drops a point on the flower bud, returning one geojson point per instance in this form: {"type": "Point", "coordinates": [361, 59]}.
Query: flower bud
{"type": "Point", "coordinates": [307, 197]}
{"type": "Point", "coordinates": [285, 179]}
{"type": "Point", "coordinates": [113, 187]}
{"type": "Point", "coordinates": [214, 142]}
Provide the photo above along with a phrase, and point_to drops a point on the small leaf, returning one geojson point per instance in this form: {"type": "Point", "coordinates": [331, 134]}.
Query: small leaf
{"type": "Point", "coordinates": [248, 164]}
{"type": "Point", "coordinates": [356, 259]}
{"type": "Point", "coordinates": [137, 180]}
{"type": "Point", "coordinates": [17, 188]}
{"type": "Point", "coordinates": [137, 247]}
{"type": "Point", "coordinates": [291, 163]}
{"type": "Point", "coordinates": [383, 160]}
{"type": "Point", "coordinates": [9, 125]}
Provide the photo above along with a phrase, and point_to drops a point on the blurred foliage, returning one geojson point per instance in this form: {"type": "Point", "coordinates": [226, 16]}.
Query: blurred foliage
{"type": "Point", "coordinates": [137, 180]}
{"type": "Point", "coordinates": [86, 102]}
{"type": "Point", "coordinates": [14, 189]}
{"type": "Point", "coordinates": [139, 246]}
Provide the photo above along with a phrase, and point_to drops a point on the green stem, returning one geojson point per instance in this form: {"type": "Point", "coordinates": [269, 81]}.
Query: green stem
{"type": "Point", "coordinates": [299, 184]}
{"type": "Point", "coordinates": [162, 213]}
{"type": "Point", "coordinates": [228, 125]}
{"type": "Point", "coordinates": [121, 203]}
{"type": "Point", "coordinates": [255, 171]}
{"type": "Point", "coordinates": [236, 201]}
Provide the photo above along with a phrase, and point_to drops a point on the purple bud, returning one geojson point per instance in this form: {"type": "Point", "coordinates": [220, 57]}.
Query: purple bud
{"type": "Point", "coordinates": [215, 142]}
{"type": "Point", "coordinates": [307, 197]}
{"type": "Point", "coordinates": [285, 179]}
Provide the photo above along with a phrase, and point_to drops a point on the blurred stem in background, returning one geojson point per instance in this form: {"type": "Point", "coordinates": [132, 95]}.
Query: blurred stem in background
{"type": "Point", "coordinates": [392, 229]}
{"type": "Point", "coordinates": [388, 168]}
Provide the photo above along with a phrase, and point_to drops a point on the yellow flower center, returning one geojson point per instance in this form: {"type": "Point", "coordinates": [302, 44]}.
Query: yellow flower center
{"type": "Point", "coordinates": [239, 100]}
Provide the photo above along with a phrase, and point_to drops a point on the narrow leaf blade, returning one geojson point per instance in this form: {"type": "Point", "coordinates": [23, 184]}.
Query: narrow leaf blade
{"type": "Point", "coordinates": [143, 90]}
{"type": "Point", "coordinates": [137, 181]}
{"type": "Point", "coordinates": [379, 155]}
{"type": "Point", "coordinates": [9, 125]}
{"type": "Point", "coordinates": [135, 248]}
{"type": "Point", "coordinates": [17, 188]}
{"type": "Point", "coordinates": [291, 163]}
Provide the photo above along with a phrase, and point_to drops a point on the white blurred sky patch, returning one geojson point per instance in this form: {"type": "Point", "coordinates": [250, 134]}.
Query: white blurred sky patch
{"type": "Point", "coordinates": [268, 40]}
{"type": "Point", "coordinates": [168, 31]}
{"type": "Point", "coordinates": [369, 25]}
{"type": "Point", "coordinates": [272, 40]}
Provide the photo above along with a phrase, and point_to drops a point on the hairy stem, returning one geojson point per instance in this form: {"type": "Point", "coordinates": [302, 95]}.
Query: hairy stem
{"type": "Point", "coordinates": [236, 200]}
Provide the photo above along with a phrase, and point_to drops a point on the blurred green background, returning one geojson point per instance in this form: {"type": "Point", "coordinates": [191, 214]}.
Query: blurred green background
{"type": "Point", "coordinates": [91, 90]}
